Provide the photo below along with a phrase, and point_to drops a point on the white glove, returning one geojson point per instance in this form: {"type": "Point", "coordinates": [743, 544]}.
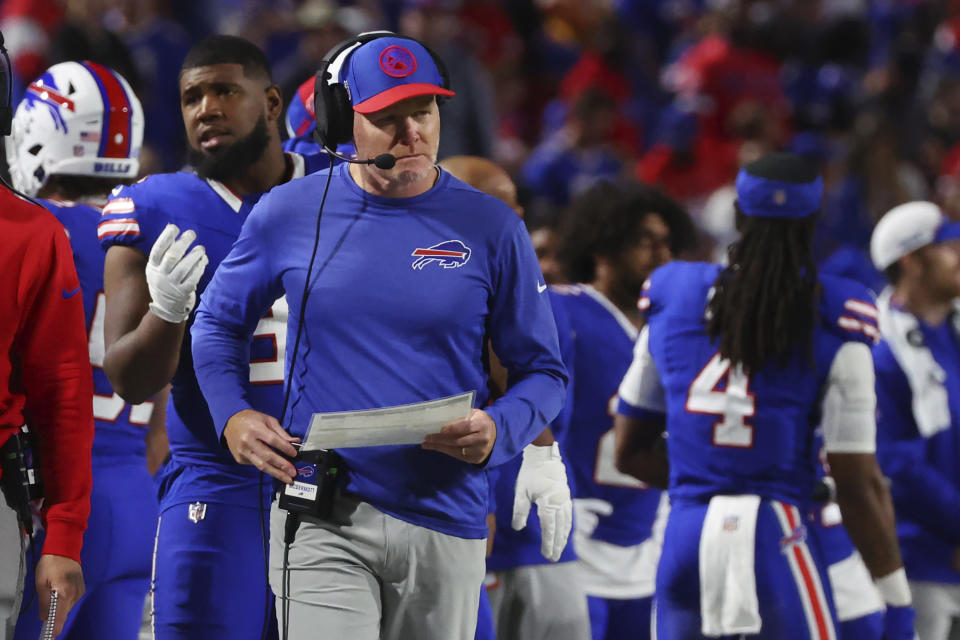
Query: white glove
{"type": "Point", "coordinates": [543, 480]}
{"type": "Point", "coordinates": [172, 276]}
{"type": "Point", "coordinates": [589, 511]}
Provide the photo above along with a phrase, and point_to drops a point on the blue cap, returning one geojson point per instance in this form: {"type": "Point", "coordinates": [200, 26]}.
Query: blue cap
{"type": "Point", "coordinates": [386, 70]}
{"type": "Point", "coordinates": [766, 198]}
{"type": "Point", "coordinates": [947, 231]}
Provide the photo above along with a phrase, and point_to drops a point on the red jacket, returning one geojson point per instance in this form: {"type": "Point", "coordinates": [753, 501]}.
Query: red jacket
{"type": "Point", "coordinates": [45, 376]}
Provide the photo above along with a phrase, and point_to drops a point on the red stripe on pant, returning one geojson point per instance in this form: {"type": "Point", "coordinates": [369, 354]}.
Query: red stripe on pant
{"type": "Point", "coordinates": [818, 607]}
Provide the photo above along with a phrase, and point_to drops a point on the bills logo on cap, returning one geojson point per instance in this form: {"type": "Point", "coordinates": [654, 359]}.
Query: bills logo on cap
{"type": "Point", "coordinates": [397, 61]}
{"type": "Point", "coordinates": [449, 255]}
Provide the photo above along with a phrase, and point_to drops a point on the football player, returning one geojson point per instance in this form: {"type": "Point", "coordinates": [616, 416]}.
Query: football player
{"type": "Point", "coordinates": [76, 134]}
{"type": "Point", "coordinates": [738, 363]}
{"type": "Point", "coordinates": [918, 388]}
{"type": "Point", "coordinates": [615, 235]}
{"type": "Point", "coordinates": [209, 577]}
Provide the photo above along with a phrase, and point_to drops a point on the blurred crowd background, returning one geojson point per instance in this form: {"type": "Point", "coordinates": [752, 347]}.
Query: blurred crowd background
{"type": "Point", "coordinates": [562, 93]}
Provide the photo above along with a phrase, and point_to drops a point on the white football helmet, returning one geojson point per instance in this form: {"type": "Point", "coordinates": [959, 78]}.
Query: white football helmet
{"type": "Point", "coordinates": [78, 118]}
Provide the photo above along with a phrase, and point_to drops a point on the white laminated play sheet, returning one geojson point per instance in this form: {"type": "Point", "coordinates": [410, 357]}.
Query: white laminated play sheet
{"type": "Point", "coordinates": [403, 424]}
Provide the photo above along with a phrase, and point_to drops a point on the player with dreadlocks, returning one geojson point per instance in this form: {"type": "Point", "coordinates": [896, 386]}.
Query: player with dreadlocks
{"type": "Point", "coordinates": [740, 364]}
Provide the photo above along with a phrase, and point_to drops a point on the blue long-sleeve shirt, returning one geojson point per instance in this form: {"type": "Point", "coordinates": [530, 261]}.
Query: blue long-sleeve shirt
{"type": "Point", "coordinates": [404, 292]}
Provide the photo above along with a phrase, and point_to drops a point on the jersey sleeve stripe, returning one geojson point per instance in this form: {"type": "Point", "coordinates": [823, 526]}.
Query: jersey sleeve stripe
{"type": "Point", "coordinates": [111, 228]}
{"type": "Point", "coordinates": [643, 303]}
{"type": "Point", "coordinates": [862, 308]}
{"type": "Point", "coordinates": [852, 324]}
{"type": "Point", "coordinates": [120, 205]}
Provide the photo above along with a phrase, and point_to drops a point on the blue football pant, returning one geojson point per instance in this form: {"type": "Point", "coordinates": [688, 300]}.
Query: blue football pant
{"type": "Point", "coordinates": [868, 627]}
{"type": "Point", "coordinates": [116, 557]}
{"type": "Point", "coordinates": [210, 576]}
{"type": "Point", "coordinates": [792, 587]}
{"type": "Point", "coordinates": [612, 619]}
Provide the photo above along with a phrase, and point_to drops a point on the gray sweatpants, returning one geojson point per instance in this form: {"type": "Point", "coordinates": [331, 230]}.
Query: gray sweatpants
{"type": "Point", "coordinates": [366, 576]}
{"type": "Point", "coordinates": [540, 602]}
{"type": "Point", "coordinates": [12, 570]}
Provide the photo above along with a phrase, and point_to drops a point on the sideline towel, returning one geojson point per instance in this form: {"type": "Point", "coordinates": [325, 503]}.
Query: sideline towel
{"type": "Point", "coordinates": [728, 584]}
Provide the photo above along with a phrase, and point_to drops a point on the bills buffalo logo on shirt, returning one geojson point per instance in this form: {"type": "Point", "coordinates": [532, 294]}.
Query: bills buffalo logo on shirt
{"type": "Point", "coordinates": [449, 255]}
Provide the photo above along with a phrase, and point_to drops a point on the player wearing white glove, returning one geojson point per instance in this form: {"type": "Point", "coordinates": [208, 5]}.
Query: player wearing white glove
{"type": "Point", "coordinates": [543, 480]}
{"type": "Point", "coordinates": [173, 274]}
{"type": "Point", "coordinates": [149, 298]}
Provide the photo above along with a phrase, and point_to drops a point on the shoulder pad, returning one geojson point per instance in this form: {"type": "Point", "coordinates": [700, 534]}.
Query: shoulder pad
{"type": "Point", "coordinates": [677, 282]}
{"type": "Point", "coordinates": [848, 309]}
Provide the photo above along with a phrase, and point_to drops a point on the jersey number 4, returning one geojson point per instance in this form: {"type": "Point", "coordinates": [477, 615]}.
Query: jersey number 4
{"type": "Point", "coordinates": [733, 404]}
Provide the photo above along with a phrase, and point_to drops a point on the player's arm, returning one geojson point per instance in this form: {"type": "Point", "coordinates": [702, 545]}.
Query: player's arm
{"type": "Point", "coordinates": [849, 427]}
{"type": "Point", "coordinates": [148, 303]}
{"type": "Point", "coordinates": [639, 446]}
{"type": "Point", "coordinates": [640, 449]}
{"type": "Point", "coordinates": [158, 445]}
{"type": "Point", "coordinates": [142, 350]}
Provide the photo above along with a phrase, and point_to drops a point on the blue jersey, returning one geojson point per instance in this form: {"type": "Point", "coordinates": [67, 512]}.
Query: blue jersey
{"type": "Point", "coordinates": [120, 428]}
{"type": "Point", "coordinates": [603, 350]}
{"type": "Point", "coordinates": [134, 217]}
{"type": "Point", "coordinates": [511, 548]}
{"type": "Point", "coordinates": [405, 292]}
{"type": "Point", "coordinates": [732, 433]}
{"type": "Point", "coordinates": [924, 470]}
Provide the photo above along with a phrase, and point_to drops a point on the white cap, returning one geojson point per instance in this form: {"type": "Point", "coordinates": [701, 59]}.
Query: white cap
{"type": "Point", "coordinates": [906, 228]}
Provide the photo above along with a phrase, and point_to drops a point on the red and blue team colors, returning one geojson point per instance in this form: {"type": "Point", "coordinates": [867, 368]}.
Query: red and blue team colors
{"type": "Point", "coordinates": [391, 258]}
{"type": "Point", "coordinates": [761, 445]}
{"type": "Point", "coordinates": [118, 543]}
{"type": "Point", "coordinates": [210, 534]}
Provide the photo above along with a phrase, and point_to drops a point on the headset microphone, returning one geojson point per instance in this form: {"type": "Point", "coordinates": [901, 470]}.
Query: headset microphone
{"type": "Point", "coordinates": [383, 161]}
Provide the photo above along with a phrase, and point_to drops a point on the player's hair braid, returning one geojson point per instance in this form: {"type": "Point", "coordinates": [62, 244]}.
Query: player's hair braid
{"type": "Point", "coordinates": [765, 304]}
